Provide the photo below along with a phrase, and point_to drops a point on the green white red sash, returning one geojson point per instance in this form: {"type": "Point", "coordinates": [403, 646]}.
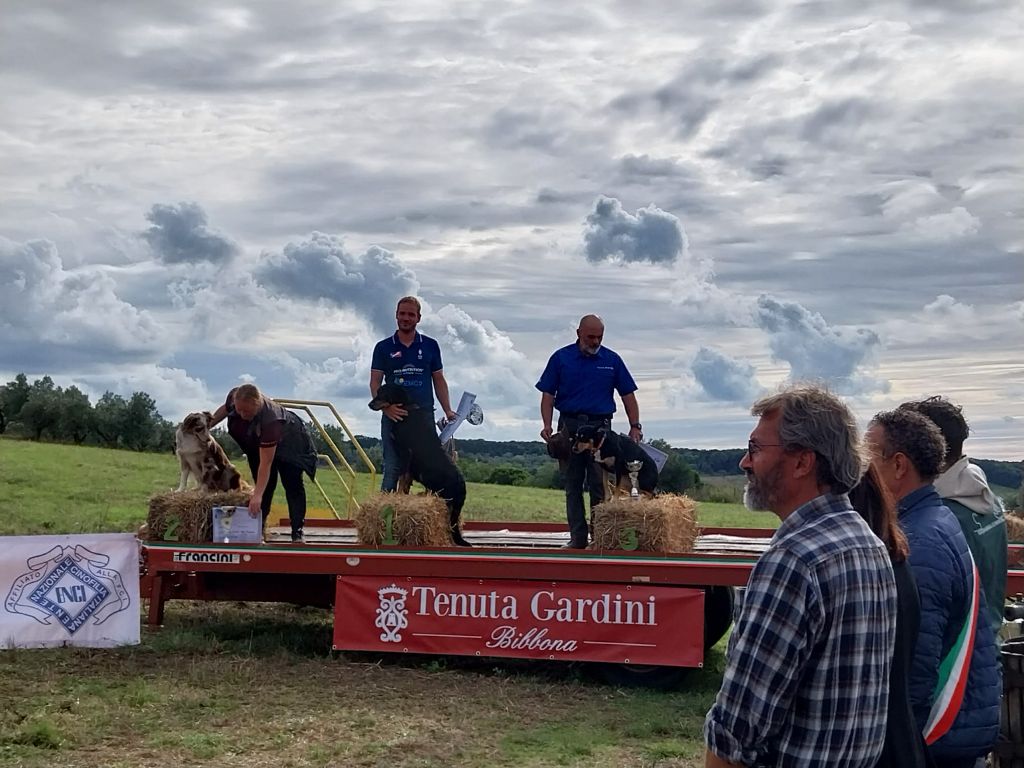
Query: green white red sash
{"type": "Point", "coordinates": [953, 671]}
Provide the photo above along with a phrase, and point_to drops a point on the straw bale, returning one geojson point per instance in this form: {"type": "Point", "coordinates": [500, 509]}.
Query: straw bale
{"type": "Point", "coordinates": [664, 523]}
{"type": "Point", "coordinates": [185, 515]}
{"type": "Point", "coordinates": [417, 521]}
{"type": "Point", "coordinates": [1015, 527]}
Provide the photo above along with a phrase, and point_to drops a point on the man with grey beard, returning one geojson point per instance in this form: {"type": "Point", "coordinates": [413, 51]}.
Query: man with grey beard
{"type": "Point", "coordinates": [806, 681]}
{"type": "Point", "coordinates": [580, 381]}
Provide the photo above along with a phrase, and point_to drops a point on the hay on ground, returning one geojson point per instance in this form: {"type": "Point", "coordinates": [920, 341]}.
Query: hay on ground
{"type": "Point", "coordinates": [665, 523]}
{"type": "Point", "coordinates": [1015, 527]}
{"type": "Point", "coordinates": [414, 521]}
{"type": "Point", "coordinates": [186, 515]}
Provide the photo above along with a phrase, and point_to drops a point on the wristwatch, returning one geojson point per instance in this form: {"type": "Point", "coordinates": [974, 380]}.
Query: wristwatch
{"type": "Point", "coordinates": [636, 425]}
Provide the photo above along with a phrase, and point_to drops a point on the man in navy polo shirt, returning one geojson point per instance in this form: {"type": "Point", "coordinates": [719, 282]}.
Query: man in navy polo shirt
{"type": "Point", "coordinates": [413, 361]}
{"type": "Point", "coordinates": [580, 380]}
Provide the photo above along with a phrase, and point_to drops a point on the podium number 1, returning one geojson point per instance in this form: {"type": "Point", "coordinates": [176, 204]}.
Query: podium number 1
{"type": "Point", "coordinates": [389, 525]}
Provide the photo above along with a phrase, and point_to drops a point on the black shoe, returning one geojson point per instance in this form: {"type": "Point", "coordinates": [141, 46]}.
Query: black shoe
{"type": "Point", "coordinates": [457, 538]}
{"type": "Point", "coordinates": [575, 545]}
{"type": "Point", "coordinates": [298, 537]}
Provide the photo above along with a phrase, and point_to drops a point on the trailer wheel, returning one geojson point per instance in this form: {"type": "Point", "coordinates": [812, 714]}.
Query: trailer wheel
{"type": "Point", "coordinates": [718, 604]}
{"type": "Point", "coordinates": [658, 678]}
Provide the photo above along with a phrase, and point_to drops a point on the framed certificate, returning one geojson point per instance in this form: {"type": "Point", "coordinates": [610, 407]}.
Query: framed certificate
{"type": "Point", "coordinates": [234, 525]}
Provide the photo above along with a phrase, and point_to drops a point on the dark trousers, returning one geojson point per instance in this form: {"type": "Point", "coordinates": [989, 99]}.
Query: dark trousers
{"type": "Point", "coordinates": [580, 473]}
{"type": "Point", "coordinates": [294, 489]}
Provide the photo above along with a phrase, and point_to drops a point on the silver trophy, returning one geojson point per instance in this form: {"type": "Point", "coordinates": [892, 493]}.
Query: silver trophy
{"type": "Point", "coordinates": [634, 471]}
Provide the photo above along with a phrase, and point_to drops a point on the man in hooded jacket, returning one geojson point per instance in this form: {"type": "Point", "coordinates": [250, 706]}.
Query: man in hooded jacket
{"type": "Point", "coordinates": [964, 489]}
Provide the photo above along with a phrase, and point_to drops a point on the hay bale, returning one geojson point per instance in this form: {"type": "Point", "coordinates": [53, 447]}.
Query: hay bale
{"type": "Point", "coordinates": [1015, 527]}
{"type": "Point", "coordinates": [665, 523]}
{"type": "Point", "coordinates": [185, 515]}
{"type": "Point", "coordinates": [403, 520]}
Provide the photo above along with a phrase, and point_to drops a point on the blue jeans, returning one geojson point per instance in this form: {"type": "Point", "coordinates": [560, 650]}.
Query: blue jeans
{"type": "Point", "coordinates": [390, 471]}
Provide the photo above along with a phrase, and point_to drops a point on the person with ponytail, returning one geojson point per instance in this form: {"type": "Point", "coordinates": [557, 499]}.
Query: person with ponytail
{"type": "Point", "coordinates": [904, 745]}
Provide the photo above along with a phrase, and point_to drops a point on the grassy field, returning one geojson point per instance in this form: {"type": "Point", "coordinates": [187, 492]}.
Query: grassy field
{"type": "Point", "coordinates": [256, 684]}
{"type": "Point", "coordinates": [46, 488]}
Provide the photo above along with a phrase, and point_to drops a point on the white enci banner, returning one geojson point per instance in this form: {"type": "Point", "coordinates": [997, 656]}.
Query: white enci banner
{"type": "Point", "coordinates": [69, 590]}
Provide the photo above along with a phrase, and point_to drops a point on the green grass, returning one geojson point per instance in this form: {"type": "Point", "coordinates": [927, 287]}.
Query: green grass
{"type": "Point", "coordinates": [255, 684]}
{"type": "Point", "coordinates": [52, 488]}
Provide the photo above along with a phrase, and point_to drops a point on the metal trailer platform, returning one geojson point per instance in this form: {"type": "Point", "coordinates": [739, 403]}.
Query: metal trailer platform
{"type": "Point", "coordinates": [516, 593]}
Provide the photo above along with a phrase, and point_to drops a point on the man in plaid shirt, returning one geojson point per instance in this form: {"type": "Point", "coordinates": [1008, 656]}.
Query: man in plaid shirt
{"type": "Point", "coordinates": [807, 672]}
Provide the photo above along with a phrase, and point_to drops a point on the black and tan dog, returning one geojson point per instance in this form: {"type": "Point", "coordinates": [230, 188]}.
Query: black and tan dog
{"type": "Point", "coordinates": [421, 455]}
{"type": "Point", "coordinates": [611, 452]}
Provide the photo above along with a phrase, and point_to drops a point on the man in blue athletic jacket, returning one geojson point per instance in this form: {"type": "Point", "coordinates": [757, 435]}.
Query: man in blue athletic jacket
{"type": "Point", "coordinates": [411, 360]}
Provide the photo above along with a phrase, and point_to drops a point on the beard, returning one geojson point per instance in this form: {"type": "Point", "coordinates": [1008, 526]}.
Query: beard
{"type": "Point", "coordinates": [591, 350]}
{"type": "Point", "coordinates": [761, 493]}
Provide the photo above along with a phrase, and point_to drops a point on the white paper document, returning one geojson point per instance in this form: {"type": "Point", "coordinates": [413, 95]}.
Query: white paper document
{"type": "Point", "coordinates": [234, 525]}
{"type": "Point", "coordinates": [465, 404]}
{"type": "Point", "coordinates": [660, 457]}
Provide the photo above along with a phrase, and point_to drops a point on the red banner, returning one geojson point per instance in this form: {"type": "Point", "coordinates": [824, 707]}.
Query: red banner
{"type": "Point", "coordinates": [568, 621]}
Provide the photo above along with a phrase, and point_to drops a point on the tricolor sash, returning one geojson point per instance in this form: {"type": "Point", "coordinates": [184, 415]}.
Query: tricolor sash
{"type": "Point", "coordinates": [953, 671]}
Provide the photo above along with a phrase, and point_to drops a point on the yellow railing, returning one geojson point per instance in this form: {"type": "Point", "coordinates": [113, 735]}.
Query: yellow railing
{"type": "Point", "coordinates": [344, 471]}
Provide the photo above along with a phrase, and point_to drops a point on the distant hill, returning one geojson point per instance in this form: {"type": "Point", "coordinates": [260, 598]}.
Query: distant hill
{"type": "Point", "coordinates": [1006, 473]}
{"type": "Point", "coordinates": [715, 461]}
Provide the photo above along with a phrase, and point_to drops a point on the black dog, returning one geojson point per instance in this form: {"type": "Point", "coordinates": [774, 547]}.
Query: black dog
{"type": "Point", "coordinates": [611, 452]}
{"type": "Point", "coordinates": [422, 456]}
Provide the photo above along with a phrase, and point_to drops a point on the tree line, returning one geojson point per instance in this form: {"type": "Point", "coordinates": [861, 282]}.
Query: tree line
{"type": "Point", "coordinates": [43, 411]}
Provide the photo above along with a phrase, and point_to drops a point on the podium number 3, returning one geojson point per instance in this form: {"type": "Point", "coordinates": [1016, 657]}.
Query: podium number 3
{"type": "Point", "coordinates": [628, 539]}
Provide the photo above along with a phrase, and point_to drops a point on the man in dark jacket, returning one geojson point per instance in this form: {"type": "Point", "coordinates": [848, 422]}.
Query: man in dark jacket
{"type": "Point", "coordinates": [964, 489]}
{"type": "Point", "coordinates": [955, 680]}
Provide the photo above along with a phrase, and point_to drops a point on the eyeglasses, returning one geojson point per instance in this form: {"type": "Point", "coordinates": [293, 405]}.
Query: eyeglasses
{"type": "Point", "coordinates": [753, 448]}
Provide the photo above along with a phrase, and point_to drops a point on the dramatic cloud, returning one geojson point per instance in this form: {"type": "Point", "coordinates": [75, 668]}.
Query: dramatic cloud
{"type": "Point", "coordinates": [480, 358]}
{"type": "Point", "coordinates": [815, 350]}
{"type": "Point", "coordinates": [174, 391]}
{"type": "Point", "coordinates": [320, 269]}
{"type": "Point", "coordinates": [180, 235]}
{"type": "Point", "coordinates": [724, 378]}
{"type": "Point", "coordinates": [860, 162]}
{"type": "Point", "coordinates": [947, 309]}
{"type": "Point", "coordinates": [652, 235]}
{"type": "Point", "coordinates": [54, 320]}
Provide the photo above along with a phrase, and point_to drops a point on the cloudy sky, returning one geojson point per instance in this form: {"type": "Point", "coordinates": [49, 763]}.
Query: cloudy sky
{"type": "Point", "coordinates": [747, 191]}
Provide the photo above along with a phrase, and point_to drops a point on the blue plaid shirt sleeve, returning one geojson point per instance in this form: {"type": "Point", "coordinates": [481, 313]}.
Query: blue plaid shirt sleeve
{"type": "Point", "coordinates": [768, 651]}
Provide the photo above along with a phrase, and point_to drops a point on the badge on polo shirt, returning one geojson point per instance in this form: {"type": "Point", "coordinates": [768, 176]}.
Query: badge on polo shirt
{"type": "Point", "coordinates": [396, 354]}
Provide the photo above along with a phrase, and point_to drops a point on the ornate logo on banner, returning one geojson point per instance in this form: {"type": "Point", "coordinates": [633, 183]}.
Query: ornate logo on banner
{"type": "Point", "coordinates": [392, 615]}
{"type": "Point", "coordinates": [70, 584]}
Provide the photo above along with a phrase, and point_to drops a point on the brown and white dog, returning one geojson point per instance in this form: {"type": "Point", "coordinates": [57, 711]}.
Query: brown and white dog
{"type": "Point", "coordinates": [202, 457]}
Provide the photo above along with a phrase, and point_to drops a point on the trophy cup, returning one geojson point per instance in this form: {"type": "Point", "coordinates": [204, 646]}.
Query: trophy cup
{"type": "Point", "coordinates": [225, 523]}
{"type": "Point", "coordinates": [634, 471]}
